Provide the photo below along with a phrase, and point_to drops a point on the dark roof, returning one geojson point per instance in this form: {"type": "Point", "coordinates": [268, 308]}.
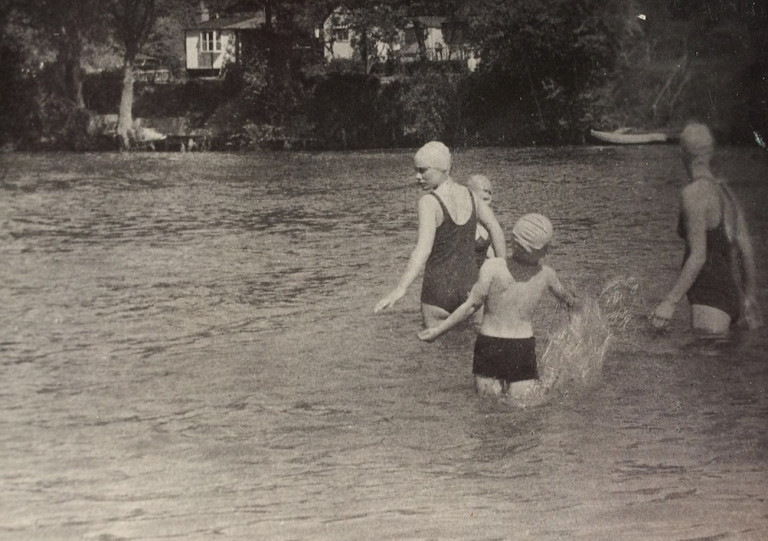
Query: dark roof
{"type": "Point", "coordinates": [241, 6]}
{"type": "Point", "coordinates": [240, 21]}
{"type": "Point", "coordinates": [432, 22]}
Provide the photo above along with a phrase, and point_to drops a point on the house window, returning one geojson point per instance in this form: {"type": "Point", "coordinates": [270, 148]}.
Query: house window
{"type": "Point", "coordinates": [340, 33]}
{"type": "Point", "coordinates": [211, 41]}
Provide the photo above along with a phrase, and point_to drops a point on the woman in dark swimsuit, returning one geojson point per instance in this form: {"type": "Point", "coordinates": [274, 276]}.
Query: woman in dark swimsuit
{"type": "Point", "coordinates": [445, 250]}
{"type": "Point", "coordinates": [716, 241]}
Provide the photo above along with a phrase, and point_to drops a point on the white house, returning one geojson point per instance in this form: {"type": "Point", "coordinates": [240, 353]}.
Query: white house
{"type": "Point", "coordinates": [338, 37]}
{"type": "Point", "coordinates": [214, 41]}
{"type": "Point", "coordinates": [434, 42]}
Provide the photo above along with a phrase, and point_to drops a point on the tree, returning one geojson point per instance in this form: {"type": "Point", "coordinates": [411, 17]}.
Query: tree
{"type": "Point", "coordinates": [132, 22]}
{"type": "Point", "coordinates": [373, 24]}
{"type": "Point", "coordinates": [164, 41]}
{"type": "Point", "coordinates": [270, 77]}
{"type": "Point", "coordinates": [703, 59]}
{"type": "Point", "coordinates": [66, 25]}
{"type": "Point", "coordinates": [12, 84]}
{"type": "Point", "coordinates": [555, 53]}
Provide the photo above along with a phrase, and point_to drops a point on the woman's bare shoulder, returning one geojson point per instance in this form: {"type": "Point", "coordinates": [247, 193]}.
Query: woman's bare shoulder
{"type": "Point", "coordinates": [549, 272]}
{"type": "Point", "coordinates": [428, 197]}
{"type": "Point", "coordinates": [700, 195]}
{"type": "Point", "coordinates": [428, 201]}
{"type": "Point", "coordinates": [495, 264]}
{"type": "Point", "coordinates": [701, 188]}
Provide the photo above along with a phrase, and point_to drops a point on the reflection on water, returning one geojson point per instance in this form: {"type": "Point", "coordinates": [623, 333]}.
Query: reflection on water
{"type": "Point", "coordinates": [188, 349]}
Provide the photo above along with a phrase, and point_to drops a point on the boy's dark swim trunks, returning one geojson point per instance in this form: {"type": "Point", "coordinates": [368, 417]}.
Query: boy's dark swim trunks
{"type": "Point", "coordinates": [508, 359]}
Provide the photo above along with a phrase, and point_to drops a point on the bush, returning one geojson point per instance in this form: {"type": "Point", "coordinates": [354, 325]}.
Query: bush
{"type": "Point", "coordinates": [431, 108]}
{"type": "Point", "coordinates": [343, 110]}
{"type": "Point", "coordinates": [101, 91]}
{"type": "Point", "coordinates": [16, 93]}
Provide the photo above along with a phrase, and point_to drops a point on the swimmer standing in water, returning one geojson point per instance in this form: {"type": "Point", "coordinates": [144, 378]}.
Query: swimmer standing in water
{"type": "Point", "coordinates": [718, 274]}
{"type": "Point", "coordinates": [445, 249]}
{"type": "Point", "coordinates": [504, 361]}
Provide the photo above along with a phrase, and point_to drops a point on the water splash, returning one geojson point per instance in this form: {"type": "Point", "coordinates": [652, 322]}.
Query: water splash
{"type": "Point", "coordinates": [758, 139]}
{"type": "Point", "coordinates": [576, 351]}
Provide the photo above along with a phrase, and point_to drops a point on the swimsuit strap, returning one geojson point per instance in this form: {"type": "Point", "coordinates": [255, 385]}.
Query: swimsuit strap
{"type": "Point", "coordinates": [442, 206]}
{"type": "Point", "coordinates": [724, 190]}
{"type": "Point", "coordinates": [720, 190]}
{"type": "Point", "coordinates": [445, 209]}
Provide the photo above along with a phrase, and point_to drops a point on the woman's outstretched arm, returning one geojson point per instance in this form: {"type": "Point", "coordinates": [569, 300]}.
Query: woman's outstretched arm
{"type": "Point", "coordinates": [695, 214]}
{"type": "Point", "coordinates": [419, 255]}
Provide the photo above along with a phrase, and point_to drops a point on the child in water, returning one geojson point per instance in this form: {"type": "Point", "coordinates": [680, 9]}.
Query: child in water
{"type": "Point", "coordinates": [505, 350]}
{"type": "Point", "coordinates": [483, 190]}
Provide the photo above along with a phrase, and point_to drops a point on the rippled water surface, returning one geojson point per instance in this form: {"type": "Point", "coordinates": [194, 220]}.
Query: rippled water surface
{"type": "Point", "coordinates": [188, 351]}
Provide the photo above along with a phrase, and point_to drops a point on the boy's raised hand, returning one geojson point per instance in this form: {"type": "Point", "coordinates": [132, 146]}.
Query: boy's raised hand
{"type": "Point", "coordinates": [429, 334]}
{"type": "Point", "coordinates": [753, 317]}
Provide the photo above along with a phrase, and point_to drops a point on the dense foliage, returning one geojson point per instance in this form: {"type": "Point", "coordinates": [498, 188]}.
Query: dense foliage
{"type": "Point", "coordinates": [549, 71]}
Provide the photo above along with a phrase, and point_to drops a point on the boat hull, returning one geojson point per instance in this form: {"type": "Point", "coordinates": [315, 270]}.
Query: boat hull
{"type": "Point", "coordinates": [621, 138]}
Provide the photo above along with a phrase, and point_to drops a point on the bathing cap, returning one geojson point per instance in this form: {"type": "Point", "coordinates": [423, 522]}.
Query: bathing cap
{"type": "Point", "coordinates": [532, 232]}
{"type": "Point", "coordinates": [478, 182]}
{"type": "Point", "coordinates": [435, 155]}
{"type": "Point", "coordinates": [697, 140]}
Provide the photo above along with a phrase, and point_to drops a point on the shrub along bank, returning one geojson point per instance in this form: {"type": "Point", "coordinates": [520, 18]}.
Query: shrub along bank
{"type": "Point", "coordinates": [350, 110]}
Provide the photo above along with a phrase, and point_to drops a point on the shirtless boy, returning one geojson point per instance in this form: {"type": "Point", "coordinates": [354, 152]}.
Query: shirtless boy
{"type": "Point", "coordinates": [505, 350]}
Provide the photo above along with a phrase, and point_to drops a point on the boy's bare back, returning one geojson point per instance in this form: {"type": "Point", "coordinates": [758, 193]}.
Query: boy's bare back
{"type": "Point", "coordinates": [510, 293]}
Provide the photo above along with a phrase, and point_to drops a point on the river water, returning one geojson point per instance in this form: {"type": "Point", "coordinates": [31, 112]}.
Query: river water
{"type": "Point", "coordinates": [188, 351]}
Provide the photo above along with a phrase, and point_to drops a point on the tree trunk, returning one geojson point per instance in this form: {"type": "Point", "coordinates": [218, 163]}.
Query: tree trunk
{"type": "Point", "coordinates": [125, 120]}
{"type": "Point", "coordinates": [268, 15]}
{"type": "Point", "coordinates": [74, 81]}
{"type": "Point", "coordinates": [364, 49]}
{"type": "Point", "coordinates": [421, 39]}
{"type": "Point", "coordinates": [133, 22]}
{"type": "Point", "coordinates": [72, 52]}
{"type": "Point", "coordinates": [542, 124]}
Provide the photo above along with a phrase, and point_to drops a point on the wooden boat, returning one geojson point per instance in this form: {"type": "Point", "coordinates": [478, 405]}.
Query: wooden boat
{"type": "Point", "coordinates": [624, 137]}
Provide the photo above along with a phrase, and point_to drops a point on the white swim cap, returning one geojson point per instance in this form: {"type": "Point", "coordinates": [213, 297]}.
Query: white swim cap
{"type": "Point", "coordinates": [532, 232]}
{"type": "Point", "coordinates": [435, 155]}
{"type": "Point", "coordinates": [696, 140]}
{"type": "Point", "coordinates": [478, 182]}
